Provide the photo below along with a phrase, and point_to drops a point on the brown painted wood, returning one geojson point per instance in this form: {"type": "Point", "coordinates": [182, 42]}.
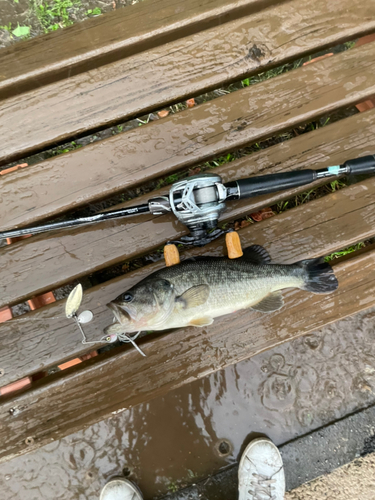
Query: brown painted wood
{"type": "Point", "coordinates": [170, 439]}
{"type": "Point", "coordinates": [44, 262]}
{"type": "Point", "coordinates": [186, 138]}
{"type": "Point", "coordinates": [58, 406]}
{"type": "Point", "coordinates": [102, 40]}
{"type": "Point", "coordinates": [318, 228]}
{"type": "Point", "coordinates": [70, 403]}
{"type": "Point", "coordinates": [175, 71]}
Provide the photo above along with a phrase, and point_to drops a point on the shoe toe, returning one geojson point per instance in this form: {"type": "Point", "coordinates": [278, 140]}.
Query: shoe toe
{"type": "Point", "coordinates": [120, 489]}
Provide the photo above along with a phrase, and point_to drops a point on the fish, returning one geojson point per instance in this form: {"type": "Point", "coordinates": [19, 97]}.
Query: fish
{"type": "Point", "coordinates": [198, 290]}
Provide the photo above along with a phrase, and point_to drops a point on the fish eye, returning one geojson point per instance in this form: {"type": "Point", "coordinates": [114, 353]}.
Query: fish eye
{"type": "Point", "coordinates": [127, 297]}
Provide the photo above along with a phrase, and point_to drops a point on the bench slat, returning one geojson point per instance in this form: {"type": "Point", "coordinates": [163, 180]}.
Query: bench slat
{"type": "Point", "coordinates": [175, 71]}
{"type": "Point", "coordinates": [60, 257]}
{"type": "Point", "coordinates": [104, 39]}
{"type": "Point", "coordinates": [189, 137]}
{"type": "Point", "coordinates": [341, 348]}
{"type": "Point", "coordinates": [318, 228]}
{"type": "Point", "coordinates": [71, 403]}
{"type": "Point", "coordinates": [64, 403]}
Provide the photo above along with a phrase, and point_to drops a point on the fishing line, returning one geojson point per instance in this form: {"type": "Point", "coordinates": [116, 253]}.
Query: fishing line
{"type": "Point", "coordinates": [106, 339]}
{"type": "Point", "coordinates": [72, 305]}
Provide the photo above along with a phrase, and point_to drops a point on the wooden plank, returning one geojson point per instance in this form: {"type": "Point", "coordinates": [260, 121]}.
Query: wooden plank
{"type": "Point", "coordinates": [343, 349]}
{"type": "Point", "coordinates": [102, 40]}
{"type": "Point", "coordinates": [188, 66]}
{"type": "Point", "coordinates": [318, 228]}
{"type": "Point", "coordinates": [194, 135]}
{"type": "Point", "coordinates": [70, 254]}
{"type": "Point", "coordinates": [70, 403]}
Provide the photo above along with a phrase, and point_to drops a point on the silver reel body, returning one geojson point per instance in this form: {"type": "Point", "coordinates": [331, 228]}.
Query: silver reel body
{"type": "Point", "coordinates": [197, 202]}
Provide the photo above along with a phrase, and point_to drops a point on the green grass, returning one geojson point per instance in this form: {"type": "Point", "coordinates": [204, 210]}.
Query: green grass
{"type": "Point", "coordinates": [271, 73]}
{"type": "Point", "coordinates": [54, 14]}
{"type": "Point", "coordinates": [309, 195]}
{"type": "Point", "coordinates": [337, 184]}
{"type": "Point", "coordinates": [71, 146]}
{"type": "Point", "coordinates": [22, 32]}
{"type": "Point", "coordinates": [220, 161]}
{"type": "Point", "coordinates": [166, 181]}
{"type": "Point", "coordinates": [346, 251]}
{"type": "Point", "coordinates": [173, 487]}
{"type": "Point", "coordinates": [93, 12]}
{"type": "Point", "coordinates": [6, 27]}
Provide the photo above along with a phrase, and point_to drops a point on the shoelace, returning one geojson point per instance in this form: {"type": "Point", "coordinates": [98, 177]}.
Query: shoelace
{"type": "Point", "coordinates": [263, 486]}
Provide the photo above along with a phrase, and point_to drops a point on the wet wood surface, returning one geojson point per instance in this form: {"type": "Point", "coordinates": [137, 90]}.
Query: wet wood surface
{"type": "Point", "coordinates": [104, 39]}
{"type": "Point", "coordinates": [235, 33]}
{"type": "Point", "coordinates": [175, 71]}
{"type": "Point", "coordinates": [44, 262]}
{"type": "Point", "coordinates": [318, 228]}
{"type": "Point", "coordinates": [194, 135]}
{"type": "Point", "coordinates": [113, 384]}
{"type": "Point", "coordinates": [286, 391]}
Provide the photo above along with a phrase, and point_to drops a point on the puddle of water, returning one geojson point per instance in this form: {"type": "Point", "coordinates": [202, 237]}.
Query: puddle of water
{"type": "Point", "coordinates": [202, 427]}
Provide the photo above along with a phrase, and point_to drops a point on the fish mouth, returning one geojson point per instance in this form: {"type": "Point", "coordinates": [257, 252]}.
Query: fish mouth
{"type": "Point", "coordinates": [122, 316]}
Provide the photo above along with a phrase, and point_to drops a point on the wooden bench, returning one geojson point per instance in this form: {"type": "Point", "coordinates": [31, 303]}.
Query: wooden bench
{"type": "Point", "coordinates": [122, 65]}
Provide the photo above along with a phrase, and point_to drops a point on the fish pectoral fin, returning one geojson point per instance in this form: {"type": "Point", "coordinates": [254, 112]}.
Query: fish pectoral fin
{"type": "Point", "coordinates": [201, 321]}
{"type": "Point", "coordinates": [271, 303]}
{"type": "Point", "coordinates": [256, 255]}
{"type": "Point", "coordinates": [194, 296]}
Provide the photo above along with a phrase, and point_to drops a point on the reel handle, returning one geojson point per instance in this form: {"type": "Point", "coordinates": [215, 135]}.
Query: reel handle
{"type": "Point", "coordinates": [171, 255]}
{"type": "Point", "coordinates": [233, 243]}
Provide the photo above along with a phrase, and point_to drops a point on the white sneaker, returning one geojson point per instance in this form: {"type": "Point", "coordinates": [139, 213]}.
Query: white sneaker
{"type": "Point", "coordinates": [119, 488]}
{"type": "Point", "coordinates": [261, 472]}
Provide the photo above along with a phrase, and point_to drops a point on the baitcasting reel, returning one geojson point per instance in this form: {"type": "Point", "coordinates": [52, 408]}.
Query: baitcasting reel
{"type": "Point", "coordinates": [197, 202]}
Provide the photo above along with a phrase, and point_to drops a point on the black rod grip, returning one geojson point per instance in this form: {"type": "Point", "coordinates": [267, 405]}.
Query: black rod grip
{"type": "Point", "coordinates": [255, 186]}
{"type": "Point", "coordinates": [363, 165]}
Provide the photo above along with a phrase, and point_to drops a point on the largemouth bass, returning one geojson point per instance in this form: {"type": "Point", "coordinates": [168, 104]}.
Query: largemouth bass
{"type": "Point", "coordinates": [198, 290]}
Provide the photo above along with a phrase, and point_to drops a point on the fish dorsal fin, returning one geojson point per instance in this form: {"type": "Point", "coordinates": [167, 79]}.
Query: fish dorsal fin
{"type": "Point", "coordinates": [194, 296]}
{"type": "Point", "coordinates": [271, 303]}
{"type": "Point", "coordinates": [205, 321]}
{"type": "Point", "coordinates": [256, 255]}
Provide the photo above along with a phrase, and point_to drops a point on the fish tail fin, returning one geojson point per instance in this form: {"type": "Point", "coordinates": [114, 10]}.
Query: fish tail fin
{"type": "Point", "coordinates": [318, 276]}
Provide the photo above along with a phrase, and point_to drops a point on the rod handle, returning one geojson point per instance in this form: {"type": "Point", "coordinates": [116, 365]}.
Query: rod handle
{"type": "Point", "coordinates": [264, 184]}
{"type": "Point", "coordinates": [363, 165]}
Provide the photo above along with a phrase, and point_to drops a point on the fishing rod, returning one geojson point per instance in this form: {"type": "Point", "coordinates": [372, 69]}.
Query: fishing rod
{"type": "Point", "coordinates": [198, 201]}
